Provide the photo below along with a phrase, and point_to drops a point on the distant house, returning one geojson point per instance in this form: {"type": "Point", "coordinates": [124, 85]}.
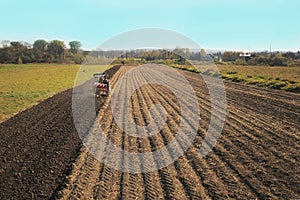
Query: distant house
{"type": "Point", "coordinates": [245, 55]}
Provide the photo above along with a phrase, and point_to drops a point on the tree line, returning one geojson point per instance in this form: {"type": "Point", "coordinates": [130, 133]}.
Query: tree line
{"type": "Point", "coordinates": [261, 58]}
{"type": "Point", "coordinates": [56, 51]}
{"type": "Point", "coordinates": [41, 51]}
{"type": "Point", "coordinates": [180, 55]}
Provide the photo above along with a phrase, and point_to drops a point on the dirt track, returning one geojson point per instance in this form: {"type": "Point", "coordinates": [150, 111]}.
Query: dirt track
{"type": "Point", "coordinates": [257, 155]}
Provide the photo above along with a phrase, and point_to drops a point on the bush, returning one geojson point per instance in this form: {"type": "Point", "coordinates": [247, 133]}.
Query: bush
{"type": "Point", "coordinates": [240, 61]}
{"type": "Point", "coordinates": [278, 60]}
{"type": "Point", "coordinates": [78, 59]}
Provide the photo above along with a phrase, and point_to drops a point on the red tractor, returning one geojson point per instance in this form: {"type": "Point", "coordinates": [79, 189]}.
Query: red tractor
{"type": "Point", "coordinates": [101, 84]}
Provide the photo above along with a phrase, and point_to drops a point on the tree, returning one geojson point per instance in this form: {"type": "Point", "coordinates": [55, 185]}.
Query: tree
{"type": "Point", "coordinates": [74, 46]}
{"type": "Point", "coordinates": [290, 55]}
{"type": "Point", "coordinates": [179, 54]}
{"type": "Point", "coordinates": [179, 51]}
{"type": "Point", "coordinates": [278, 60]}
{"type": "Point", "coordinates": [56, 50]}
{"type": "Point", "coordinates": [40, 45]}
{"type": "Point", "coordinates": [230, 56]}
{"type": "Point", "coordinates": [16, 45]}
{"type": "Point", "coordinates": [154, 55]}
{"type": "Point", "coordinates": [5, 55]}
{"type": "Point", "coordinates": [16, 50]}
{"type": "Point", "coordinates": [78, 59]}
{"type": "Point", "coordinates": [39, 48]}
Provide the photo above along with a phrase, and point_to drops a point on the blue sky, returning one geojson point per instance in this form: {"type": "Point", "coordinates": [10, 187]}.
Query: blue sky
{"type": "Point", "coordinates": [213, 24]}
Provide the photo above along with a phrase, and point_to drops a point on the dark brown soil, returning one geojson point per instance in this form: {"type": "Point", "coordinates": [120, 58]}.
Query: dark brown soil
{"type": "Point", "coordinates": [37, 147]}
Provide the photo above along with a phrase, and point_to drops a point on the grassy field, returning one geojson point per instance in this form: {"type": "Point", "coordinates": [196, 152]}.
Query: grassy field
{"type": "Point", "coordinates": [283, 78]}
{"type": "Point", "coordinates": [22, 86]}
{"type": "Point", "coordinates": [275, 77]}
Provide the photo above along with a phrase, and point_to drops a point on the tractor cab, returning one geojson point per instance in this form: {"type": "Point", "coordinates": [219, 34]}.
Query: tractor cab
{"type": "Point", "coordinates": [100, 77]}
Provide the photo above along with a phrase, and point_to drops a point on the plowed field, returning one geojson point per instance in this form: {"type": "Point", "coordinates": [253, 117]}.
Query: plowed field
{"type": "Point", "coordinates": [256, 157]}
